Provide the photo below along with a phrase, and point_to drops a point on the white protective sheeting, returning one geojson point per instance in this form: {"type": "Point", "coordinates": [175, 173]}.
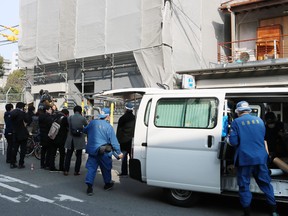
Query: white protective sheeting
{"type": "Point", "coordinates": [123, 28]}
{"type": "Point", "coordinates": [153, 67]}
{"type": "Point", "coordinates": [187, 41]}
{"type": "Point", "coordinates": [90, 28]}
{"type": "Point", "coordinates": [155, 63]}
{"type": "Point", "coordinates": [105, 27]}
{"type": "Point", "coordinates": [181, 36]}
{"type": "Point", "coordinates": [59, 30]}
{"type": "Point", "coordinates": [28, 30]}
{"type": "Point", "coordinates": [197, 26]}
{"type": "Point", "coordinates": [67, 29]}
{"type": "Point", "coordinates": [151, 16]}
{"type": "Point", "coordinates": [48, 28]}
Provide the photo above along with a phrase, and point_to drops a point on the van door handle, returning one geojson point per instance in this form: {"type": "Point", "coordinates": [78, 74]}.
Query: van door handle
{"type": "Point", "coordinates": [144, 144]}
{"type": "Point", "coordinates": [210, 141]}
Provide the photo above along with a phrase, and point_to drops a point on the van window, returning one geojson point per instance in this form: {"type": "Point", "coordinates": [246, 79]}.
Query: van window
{"type": "Point", "coordinates": [147, 113]}
{"type": "Point", "coordinates": [186, 112]}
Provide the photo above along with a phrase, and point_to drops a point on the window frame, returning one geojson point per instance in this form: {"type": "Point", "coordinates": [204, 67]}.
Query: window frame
{"type": "Point", "coordinates": [185, 102]}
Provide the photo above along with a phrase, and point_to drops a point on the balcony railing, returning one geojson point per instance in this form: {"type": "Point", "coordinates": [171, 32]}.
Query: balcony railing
{"type": "Point", "coordinates": [253, 49]}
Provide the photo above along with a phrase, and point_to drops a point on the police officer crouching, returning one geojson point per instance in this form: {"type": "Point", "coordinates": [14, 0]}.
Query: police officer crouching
{"type": "Point", "coordinates": [101, 143]}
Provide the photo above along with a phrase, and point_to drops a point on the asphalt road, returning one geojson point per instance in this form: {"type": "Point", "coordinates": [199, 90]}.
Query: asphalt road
{"type": "Point", "coordinates": [40, 192]}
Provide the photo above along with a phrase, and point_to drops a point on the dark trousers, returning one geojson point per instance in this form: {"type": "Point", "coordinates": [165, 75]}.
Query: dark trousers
{"type": "Point", "coordinates": [9, 139]}
{"type": "Point", "coordinates": [62, 157]}
{"type": "Point", "coordinates": [45, 155]}
{"type": "Point", "coordinates": [16, 144]}
{"type": "Point", "coordinates": [126, 150]}
{"type": "Point", "coordinates": [69, 156]}
{"type": "Point", "coordinates": [52, 154]}
{"type": "Point", "coordinates": [124, 165]}
{"type": "Point", "coordinates": [261, 174]}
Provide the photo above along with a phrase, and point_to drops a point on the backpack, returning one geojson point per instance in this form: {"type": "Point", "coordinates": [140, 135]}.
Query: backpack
{"type": "Point", "coordinates": [54, 129]}
{"type": "Point", "coordinates": [77, 132]}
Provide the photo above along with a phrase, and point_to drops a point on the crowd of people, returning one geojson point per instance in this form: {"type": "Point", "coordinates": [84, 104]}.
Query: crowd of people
{"type": "Point", "coordinates": [71, 137]}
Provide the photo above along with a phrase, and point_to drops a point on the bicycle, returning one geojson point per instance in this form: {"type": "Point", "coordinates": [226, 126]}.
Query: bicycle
{"type": "Point", "coordinates": [33, 146]}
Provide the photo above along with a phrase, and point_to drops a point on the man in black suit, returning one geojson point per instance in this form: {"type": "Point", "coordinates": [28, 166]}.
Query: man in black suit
{"type": "Point", "coordinates": [20, 134]}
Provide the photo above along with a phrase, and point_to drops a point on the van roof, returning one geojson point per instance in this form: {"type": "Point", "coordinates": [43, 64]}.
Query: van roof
{"type": "Point", "coordinates": [142, 91]}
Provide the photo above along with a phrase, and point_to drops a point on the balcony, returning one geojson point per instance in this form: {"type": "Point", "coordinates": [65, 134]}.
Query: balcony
{"type": "Point", "coordinates": [253, 50]}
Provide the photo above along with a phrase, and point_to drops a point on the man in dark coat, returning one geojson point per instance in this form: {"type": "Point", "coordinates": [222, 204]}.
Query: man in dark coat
{"type": "Point", "coordinates": [45, 122]}
{"type": "Point", "coordinates": [20, 134]}
{"type": "Point", "coordinates": [8, 131]}
{"type": "Point", "coordinates": [125, 133]}
{"type": "Point", "coordinates": [59, 141]}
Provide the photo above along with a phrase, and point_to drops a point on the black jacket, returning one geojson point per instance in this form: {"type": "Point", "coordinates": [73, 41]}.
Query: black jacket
{"type": "Point", "coordinates": [125, 129]}
{"type": "Point", "coordinates": [18, 120]}
{"type": "Point", "coordinates": [45, 121]}
{"type": "Point", "coordinates": [61, 119]}
{"type": "Point", "coordinates": [8, 123]}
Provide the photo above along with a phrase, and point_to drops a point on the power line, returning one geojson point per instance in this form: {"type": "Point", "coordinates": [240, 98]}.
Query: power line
{"type": "Point", "coordinates": [7, 43]}
{"type": "Point", "coordinates": [5, 29]}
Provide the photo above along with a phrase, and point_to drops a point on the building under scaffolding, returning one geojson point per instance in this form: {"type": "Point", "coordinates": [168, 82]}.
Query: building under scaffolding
{"type": "Point", "coordinates": [75, 48]}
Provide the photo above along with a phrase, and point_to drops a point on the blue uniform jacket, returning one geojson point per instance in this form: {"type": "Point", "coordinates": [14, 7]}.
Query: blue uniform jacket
{"type": "Point", "coordinates": [247, 136]}
{"type": "Point", "coordinates": [100, 132]}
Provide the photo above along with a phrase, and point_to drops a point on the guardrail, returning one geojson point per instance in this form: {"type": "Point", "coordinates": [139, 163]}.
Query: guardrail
{"type": "Point", "coordinates": [256, 49]}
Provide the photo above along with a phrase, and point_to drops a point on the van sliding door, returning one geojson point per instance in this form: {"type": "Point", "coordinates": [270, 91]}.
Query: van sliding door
{"type": "Point", "coordinates": [182, 143]}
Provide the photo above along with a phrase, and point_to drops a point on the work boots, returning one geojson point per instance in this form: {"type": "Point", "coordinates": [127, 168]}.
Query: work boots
{"type": "Point", "coordinates": [89, 190]}
{"type": "Point", "coordinates": [246, 211]}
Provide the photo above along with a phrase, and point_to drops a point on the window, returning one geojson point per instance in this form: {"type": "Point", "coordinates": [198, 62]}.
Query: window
{"type": "Point", "coordinates": [147, 113]}
{"type": "Point", "coordinates": [186, 112]}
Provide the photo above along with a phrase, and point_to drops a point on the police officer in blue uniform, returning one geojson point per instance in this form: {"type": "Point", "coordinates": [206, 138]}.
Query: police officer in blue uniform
{"type": "Point", "coordinates": [102, 142]}
{"type": "Point", "coordinates": [247, 136]}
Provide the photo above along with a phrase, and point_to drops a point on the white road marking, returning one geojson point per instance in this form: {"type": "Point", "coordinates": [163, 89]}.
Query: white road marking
{"type": "Point", "coordinates": [63, 197]}
{"type": "Point", "coordinates": [11, 179]}
{"type": "Point", "coordinates": [28, 197]}
{"type": "Point", "coordinates": [10, 187]}
{"type": "Point", "coordinates": [39, 198]}
{"type": "Point", "coordinates": [67, 208]}
{"type": "Point", "coordinates": [5, 180]}
{"type": "Point", "coordinates": [13, 199]}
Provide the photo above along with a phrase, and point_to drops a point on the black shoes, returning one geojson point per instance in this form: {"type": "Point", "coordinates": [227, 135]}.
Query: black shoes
{"type": "Point", "coordinates": [246, 211]}
{"type": "Point", "coordinates": [54, 170]}
{"type": "Point", "coordinates": [12, 166]}
{"type": "Point", "coordinates": [22, 166]}
{"type": "Point", "coordinates": [123, 175]}
{"type": "Point", "coordinates": [89, 190]}
{"type": "Point", "coordinates": [108, 186]}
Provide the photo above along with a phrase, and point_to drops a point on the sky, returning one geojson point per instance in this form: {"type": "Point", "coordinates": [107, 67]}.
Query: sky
{"type": "Point", "coordinates": [9, 16]}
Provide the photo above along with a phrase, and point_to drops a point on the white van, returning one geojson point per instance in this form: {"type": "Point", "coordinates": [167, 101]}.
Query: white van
{"type": "Point", "coordinates": [178, 142]}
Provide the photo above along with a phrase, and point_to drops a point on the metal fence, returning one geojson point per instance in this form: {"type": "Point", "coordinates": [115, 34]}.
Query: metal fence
{"type": "Point", "coordinates": [253, 49]}
{"type": "Point", "coordinates": [11, 98]}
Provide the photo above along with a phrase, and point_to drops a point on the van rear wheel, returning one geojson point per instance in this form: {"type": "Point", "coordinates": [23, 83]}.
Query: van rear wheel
{"type": "Point", "coordinates": [181, 198]}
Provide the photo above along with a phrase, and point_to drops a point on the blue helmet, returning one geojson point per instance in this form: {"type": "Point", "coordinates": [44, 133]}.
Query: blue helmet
{"type": "Point", "coordinates": [243, 106]}
{"type": "Point", "coordinates": [104, 113]}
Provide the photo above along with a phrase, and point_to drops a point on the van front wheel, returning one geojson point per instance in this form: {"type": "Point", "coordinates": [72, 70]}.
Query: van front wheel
{"type": "Point", "coordinates": [181, 198]}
